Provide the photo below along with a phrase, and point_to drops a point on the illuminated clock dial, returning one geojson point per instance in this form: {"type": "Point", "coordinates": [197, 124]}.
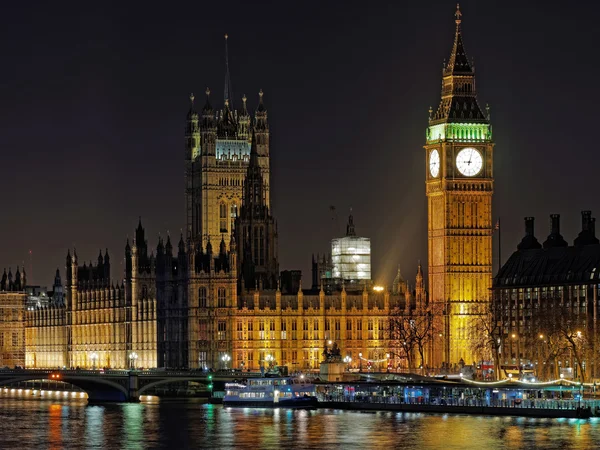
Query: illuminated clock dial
{"type": "Point", "coordinates": [434, 163]}
{"type": "Point", "coordinates": [469, 162]}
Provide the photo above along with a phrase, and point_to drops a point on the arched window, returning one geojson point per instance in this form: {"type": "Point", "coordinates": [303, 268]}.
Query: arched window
{"type": "Point", "coordinates": [233, 214]}
{"type": "Point", "coordinates": [202, 297]}
{"type": "Point", "coordinates": [222, 298]}
{"type": "Point", "coordinates": [223, 217]}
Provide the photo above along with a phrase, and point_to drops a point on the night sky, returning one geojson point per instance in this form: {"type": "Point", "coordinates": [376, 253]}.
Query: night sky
{"type": "Point", "coordinates": [94, 97]}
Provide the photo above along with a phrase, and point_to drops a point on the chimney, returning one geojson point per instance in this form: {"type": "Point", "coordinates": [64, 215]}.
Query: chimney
{"type": "Point", "coordinates": [587, 236]}
{"type": "Point", "coordinates": [555, 220]}
{"type": "Point", "coordinates": [555, 239]}
{"type": "Point", "coordinates": [529, 241]}
{"type": "Point", "coordinates": [529, 226]}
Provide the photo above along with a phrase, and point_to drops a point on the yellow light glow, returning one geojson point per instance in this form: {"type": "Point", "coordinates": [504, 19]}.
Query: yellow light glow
{"type": "Point", "coordinates": [378, 288]}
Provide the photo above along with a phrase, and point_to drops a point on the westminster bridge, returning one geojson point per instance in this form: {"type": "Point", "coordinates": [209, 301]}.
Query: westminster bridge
{"type": "Point", "coordinates": [118, 385]}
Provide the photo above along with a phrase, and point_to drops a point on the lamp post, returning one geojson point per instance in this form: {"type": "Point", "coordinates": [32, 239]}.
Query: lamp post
{"type": "Point", "coordinates": [94, 358]}
{"type": "Point", "coordinates": [360, 361]}
{"type": "Point", "coordinates": [225, 359]}
{"type": "Point", "coordinates": [133, 356]}
{"type": "Point", "coordinates": [348, 360]}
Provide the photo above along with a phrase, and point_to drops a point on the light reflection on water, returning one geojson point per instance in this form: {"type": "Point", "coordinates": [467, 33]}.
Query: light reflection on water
{"type": "Point", "coordinates": [191, 424]}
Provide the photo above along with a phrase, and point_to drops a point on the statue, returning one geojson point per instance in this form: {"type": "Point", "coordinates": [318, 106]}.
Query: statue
{"type": "Point", "coordinates": [332, 354]}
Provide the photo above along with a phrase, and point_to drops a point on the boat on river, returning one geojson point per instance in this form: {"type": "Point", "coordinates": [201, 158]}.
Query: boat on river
{"type": "Point", "coordinates": [280, 392]}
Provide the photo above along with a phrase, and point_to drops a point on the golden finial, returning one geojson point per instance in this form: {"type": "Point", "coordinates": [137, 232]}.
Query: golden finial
{"type": "Point", "coordinates": [227, 102]}
{"type": "Point", "coordinates": [430, 112]}
{"type": "Point", "coordinates": [226, 36]}
{"type": "Point", "coordinates": [458, 14]}
{"type": "Point", "coordinates": [260, 94]}
{"type": "Point", "coordinates": [192, 98]}
{"type": "Point", "coordinates": [207, 92]}
{"type": "Point", "coordinates": [244, 98]}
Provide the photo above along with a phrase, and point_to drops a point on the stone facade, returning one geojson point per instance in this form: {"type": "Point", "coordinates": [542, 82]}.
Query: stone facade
{"type": "Point", "coordinates": [13, 300]}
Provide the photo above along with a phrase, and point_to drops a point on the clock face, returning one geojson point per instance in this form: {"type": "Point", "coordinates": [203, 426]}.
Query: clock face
{"type": "Point", "coordinates": [469, 162]}
{"type": "Point", "coordinates": [434, 163]}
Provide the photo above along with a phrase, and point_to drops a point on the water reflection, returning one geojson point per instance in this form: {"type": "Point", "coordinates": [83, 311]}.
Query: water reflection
{"type": "Point", "coordinates": [191, 424]}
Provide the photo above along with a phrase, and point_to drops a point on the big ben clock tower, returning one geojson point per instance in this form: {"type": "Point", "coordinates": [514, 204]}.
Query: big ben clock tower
{"type": "Point", "coordinates": [459, 186]}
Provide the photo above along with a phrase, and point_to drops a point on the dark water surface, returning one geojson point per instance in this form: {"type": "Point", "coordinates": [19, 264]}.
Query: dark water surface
{"type": "Point", "coordinates": [27, 423]}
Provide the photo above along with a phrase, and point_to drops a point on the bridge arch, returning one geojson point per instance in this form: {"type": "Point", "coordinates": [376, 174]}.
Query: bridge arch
{"type": "Point", "coordinates": [94, 387]}
{"type": "Point", "coordinates": [167, 380]}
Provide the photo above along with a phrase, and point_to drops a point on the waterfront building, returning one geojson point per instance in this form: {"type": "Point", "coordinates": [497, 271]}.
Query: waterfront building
{"type": "Point", "coordinates": [13, 298]}
{"type": "Point", "coordinates": [546, 299]}
{"type": "Point", "coordinates": [459, 187]}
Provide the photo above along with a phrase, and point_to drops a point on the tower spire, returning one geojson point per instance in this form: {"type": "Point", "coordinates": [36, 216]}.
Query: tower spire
{"type": "Point", "coordinates": [228, 92]}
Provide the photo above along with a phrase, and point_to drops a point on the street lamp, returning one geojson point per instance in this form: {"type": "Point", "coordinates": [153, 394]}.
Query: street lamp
{"type": "Point", "coordinates": [133, 356]}
{"type": "Point", "coordinates": [94, 358]}
{"type": "Point", "coordinates": [348, 360]}
{"type": "Point", "coordinates": [360, 358]}
{"type": "Point", "coordinates": [225, 358]}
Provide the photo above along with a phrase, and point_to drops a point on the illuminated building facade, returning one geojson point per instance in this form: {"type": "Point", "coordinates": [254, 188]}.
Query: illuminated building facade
{"type": "Point", "coordinates": [217, 294]}
{"type": "Point", "coordinates": [459, 187]}
{"type": "Point", "coordinates": [351, 256]}
{"type": "Point", "coordinates": [546, 292]}
{"type": "Point", "coordinates": [13, 300]}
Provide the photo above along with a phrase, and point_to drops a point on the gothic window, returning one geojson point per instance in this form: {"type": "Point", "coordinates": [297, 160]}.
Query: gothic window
{"type": "Point", "coordinates": [349, 325]}
{"type": "Point", "coordinates": [250, 330]}
{"type": "Point", "coordinates": [240, 332]}
{"type": "Point", "coordinates": [261, 329]}
{"type": "Point", "coordinates": [272, 329]}
{"type": "Point", "coordinates": [202, 297]}
{"type": "Point", "coordinates": [294, 329]}
{"type": "Point", "coordinates": [359, 329]}
{"type": "Point", "coordinates": [233, 214]}
{"type": "Point", "coordinates": [222, 298]}
{"type": "Point", "coordinates": [337, 336]}
{"type": "Point", "coordinates": [202, 360]}
{"type": "Point", "coordinates": [256, 247]}
{"type": "Point", "coordinates": [222, 330]}
{"type": "Point", "coordinates": [223, 218]}
{"type": "Point", "coordinates": [283, 330]}
{"type": "Point", "coordinates": [305, 329]}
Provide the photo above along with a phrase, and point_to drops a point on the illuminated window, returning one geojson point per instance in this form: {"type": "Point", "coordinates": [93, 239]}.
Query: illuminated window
{"type": "Point", "coordinates": [222, 330]}
{"type": "Point", "coordinates": [233, 212]}
{"type": "Point", "coordinates": [250, 330]}
{"type": "Point", "coordinates": [261, 329]}
{"type": "Point", "coordinates": [240, 330]}
{"type": "Point", "coordinates": [283, 330]}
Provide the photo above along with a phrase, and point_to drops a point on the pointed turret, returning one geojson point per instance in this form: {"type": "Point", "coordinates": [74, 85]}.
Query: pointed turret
{"type": "Point", "coordinates": [228, 91]}
{"type": "Point", "coordinates": [192, 114]}
{"type": "Point", "coordinates": [3, 281]}
{"type": "Point", "coordinates": [207, 109]}
{"type": "Point", "coordinates": [350, 227]}
{"type": "Point", "coordinates": [169, 246]}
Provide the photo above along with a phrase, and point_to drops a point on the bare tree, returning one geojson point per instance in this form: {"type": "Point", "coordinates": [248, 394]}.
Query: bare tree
{"type": "Point", "coordinates": [401, 336]}
{"type": "Point", "coordinates": [486, 331]}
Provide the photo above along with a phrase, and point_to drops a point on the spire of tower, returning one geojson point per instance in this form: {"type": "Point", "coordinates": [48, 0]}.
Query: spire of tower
{"type": "Point", "coordinates": [228, 92]}
{"type": "Point", "coordinates": [458, 63]}
{"type": "Point", "coordinates": [459, 96]}
{"type": "Point", "coordinates": [207, 105]}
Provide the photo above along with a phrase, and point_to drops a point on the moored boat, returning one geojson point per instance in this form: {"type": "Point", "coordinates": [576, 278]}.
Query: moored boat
{"type": "Point", "coordinates": [284, 392]}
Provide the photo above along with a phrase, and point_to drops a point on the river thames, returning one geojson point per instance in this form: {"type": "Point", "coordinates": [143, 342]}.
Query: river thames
{"type": "Point", "coordinates": [35, 423]}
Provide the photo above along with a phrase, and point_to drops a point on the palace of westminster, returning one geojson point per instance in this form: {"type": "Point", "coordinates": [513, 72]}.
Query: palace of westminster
{"type": "Point", "coordinates": [218, 295]}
